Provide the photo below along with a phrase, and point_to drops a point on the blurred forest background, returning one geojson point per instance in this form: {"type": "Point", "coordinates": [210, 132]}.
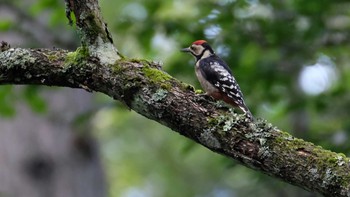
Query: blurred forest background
{"type": "Point", "coordinates": [290, 57]}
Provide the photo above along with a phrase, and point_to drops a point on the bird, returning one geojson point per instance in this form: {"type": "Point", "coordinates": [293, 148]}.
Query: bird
{"type": "Point", "coordinates": [216, 77]}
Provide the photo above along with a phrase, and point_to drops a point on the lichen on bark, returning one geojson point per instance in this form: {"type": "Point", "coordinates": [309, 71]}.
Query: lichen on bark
{"type": "Point", "coordinates": [151, 92]}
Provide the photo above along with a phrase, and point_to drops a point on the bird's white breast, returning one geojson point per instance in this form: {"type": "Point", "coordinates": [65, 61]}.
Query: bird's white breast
{"type": "Point", "coordinates": [207, 86]}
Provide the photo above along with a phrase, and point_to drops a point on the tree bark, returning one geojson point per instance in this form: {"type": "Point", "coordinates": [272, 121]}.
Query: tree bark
{"type": "Point", "coordinates": [146, 89]}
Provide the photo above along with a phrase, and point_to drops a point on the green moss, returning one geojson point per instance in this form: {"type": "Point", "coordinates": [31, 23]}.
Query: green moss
{"type": "Point", "coordinates": [117, 68]}
{"type": "Point", "coordinates": [324, 157]}
{"type": "Point", "coordinates": [141, 61]}
{"type": "Point", "coordinates": [212, 121]}
{"type": "Point", "coordinates": [52, 57]}
{"type": "Point", "coordinates": [332, 160]}
{"type": "Point", "coordinates": [120, 66]}
{"type": "Point", "coordinates": [298, 144]}
{"type": "Point", "coordinates": [73, 58]}
{"type": "Point", "coordinates": [199, 91]}
{"type": "Point", "coordinates": [185, 87]}
{"type": "Point", "coordinates": [150, 71]}
{"type": "Point", "coordinates": [342, 155]}
{"type": "Point", "coordinates": [157, 76]}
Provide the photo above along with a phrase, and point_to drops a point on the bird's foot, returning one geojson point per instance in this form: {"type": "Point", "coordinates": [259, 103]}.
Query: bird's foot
{"type": "Point", "coordinates": [220, 104]}
{"type": "Point", "coordinates": [205, 96]}
{"type": "Point", "coordinates": [202, 94]}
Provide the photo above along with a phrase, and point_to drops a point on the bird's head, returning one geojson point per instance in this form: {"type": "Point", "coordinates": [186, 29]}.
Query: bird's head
{"type": "Point", "coordinates": [199, 49]}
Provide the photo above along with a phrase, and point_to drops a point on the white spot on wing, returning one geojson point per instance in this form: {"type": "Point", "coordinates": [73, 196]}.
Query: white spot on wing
{"type": "Point", "coordinates": [227, 83]}
{"type": "Point", "coordinates": [225, 79]}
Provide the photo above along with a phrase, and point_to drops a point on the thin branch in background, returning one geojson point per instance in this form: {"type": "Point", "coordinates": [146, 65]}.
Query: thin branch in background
{"type": "Point", "coordinates": [35, 31]}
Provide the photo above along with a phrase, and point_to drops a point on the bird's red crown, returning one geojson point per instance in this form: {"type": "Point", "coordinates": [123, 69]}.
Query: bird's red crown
{"type": "Point", "coordinates": [199, 42]}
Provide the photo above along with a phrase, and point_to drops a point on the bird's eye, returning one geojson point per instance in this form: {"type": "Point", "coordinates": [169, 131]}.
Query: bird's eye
{"type": "Point", "coordinates": [192, 48]}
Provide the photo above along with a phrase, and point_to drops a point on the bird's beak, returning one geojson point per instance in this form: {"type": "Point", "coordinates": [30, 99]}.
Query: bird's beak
{"type": "Point", "coordinates": [186, 50]}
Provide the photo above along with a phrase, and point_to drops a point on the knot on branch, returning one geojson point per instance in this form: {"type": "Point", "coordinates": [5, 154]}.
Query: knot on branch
{"type": "Point", "coordinates": [4, 46]}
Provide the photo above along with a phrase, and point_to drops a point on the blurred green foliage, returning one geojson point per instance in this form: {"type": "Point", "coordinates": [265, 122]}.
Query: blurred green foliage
{"type": "Point", "coordinates": [269, 45]}
{"type": "Point", "coordinates": [7, 102]}
{"type": "Point", "coordinates": [33, 99]}
{"type": "Point", "coordinates": [5, 25]}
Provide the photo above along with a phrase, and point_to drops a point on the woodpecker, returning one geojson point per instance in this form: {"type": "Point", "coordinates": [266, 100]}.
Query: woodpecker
{"type": "Point", "coordinates": [215, 76]}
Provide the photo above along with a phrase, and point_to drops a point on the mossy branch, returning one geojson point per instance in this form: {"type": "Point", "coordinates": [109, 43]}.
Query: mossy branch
{"type": "Point", "coordinates": [145, 88]}
{"type": "Point", "coordinates": [148, 90]}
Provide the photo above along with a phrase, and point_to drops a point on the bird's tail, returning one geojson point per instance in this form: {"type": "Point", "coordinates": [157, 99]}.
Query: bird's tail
{"type": "Point", "coordinates": [247, 112]}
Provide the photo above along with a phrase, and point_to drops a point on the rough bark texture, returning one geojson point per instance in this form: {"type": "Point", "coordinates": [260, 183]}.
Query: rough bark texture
{"type": "Point", "coordinates": [145, 88]}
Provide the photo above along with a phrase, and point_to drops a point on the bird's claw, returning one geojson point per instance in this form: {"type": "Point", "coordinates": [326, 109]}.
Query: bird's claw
{"type": "Point", "coordinates": [206, 96]}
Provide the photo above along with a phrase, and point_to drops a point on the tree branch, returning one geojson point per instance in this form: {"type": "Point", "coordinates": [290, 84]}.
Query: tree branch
{"type": "Point", "coordinates": [92, 30]}
{"type": "Point", "coordinates": [156, 95]}
{"type": "Point", "coordinates": [146, 89]}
